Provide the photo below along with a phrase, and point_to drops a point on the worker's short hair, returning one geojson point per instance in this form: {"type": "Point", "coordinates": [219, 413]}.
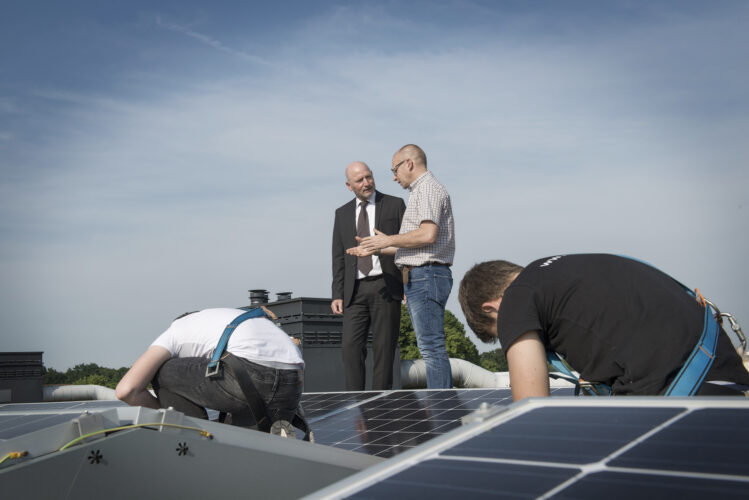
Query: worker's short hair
{"type": "Point", "coordinates": [484, 282]}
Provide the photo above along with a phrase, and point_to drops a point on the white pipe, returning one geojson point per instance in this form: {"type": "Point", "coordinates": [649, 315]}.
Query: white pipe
{"type": "Point", "coordinates": [77, 393]}
{"type": "Point", "coordinates": [465, 375]}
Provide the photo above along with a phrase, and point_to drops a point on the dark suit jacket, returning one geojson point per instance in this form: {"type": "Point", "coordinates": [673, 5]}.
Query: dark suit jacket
{"type": "Point", "coordinates": [388, 215]}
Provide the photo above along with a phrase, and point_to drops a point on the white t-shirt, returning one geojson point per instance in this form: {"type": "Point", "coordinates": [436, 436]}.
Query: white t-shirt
{"type": "Point", "coordinates": [256, 339]}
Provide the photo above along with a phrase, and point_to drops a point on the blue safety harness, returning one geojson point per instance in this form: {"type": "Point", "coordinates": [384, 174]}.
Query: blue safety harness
{"type": "Point", "coordinates": [686, 383]}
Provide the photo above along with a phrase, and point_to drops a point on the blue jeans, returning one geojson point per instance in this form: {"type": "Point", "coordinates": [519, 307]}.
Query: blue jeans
{"type": "Point", "coordinates": [181, 383]}
{"type": "Point", "coordinates": [426, 295]}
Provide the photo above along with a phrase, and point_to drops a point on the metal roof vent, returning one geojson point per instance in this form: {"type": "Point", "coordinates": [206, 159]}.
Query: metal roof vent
{"type": "Point", "coordinates": [283, 296]}
{"type": "Point", "coordinates": [258, 297]}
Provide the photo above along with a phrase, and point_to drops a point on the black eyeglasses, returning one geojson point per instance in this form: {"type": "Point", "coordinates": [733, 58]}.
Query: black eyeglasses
{"type": "Point", "coordinates": [395, 168]}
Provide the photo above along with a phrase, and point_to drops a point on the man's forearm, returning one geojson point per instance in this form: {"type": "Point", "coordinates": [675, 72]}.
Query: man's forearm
{"type": "Point", "coordinates": [417, 238]}
{"type": "Point", "coordinates": [424, 235]}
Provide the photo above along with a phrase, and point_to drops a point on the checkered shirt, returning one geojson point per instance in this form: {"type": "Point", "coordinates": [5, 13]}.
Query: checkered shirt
{"type": "Point", "coordinates": [430, 201]}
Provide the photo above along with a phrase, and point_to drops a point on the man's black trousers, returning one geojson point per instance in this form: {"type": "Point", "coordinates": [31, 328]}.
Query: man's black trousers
{"type": "Point", "coordinates": [372, 306]}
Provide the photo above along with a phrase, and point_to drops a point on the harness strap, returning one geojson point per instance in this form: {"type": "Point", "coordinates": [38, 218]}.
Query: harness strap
{"type": "Point", "coordinates": [251, 396]}
{"type": "Point", "coordinates": [213, 366]}
{"type": "Point", "coordinates": [689, 379]}
{"type": "Point", "coordinates": [300, 422]}
{"type": "Point", "coordinates": [590, 388]}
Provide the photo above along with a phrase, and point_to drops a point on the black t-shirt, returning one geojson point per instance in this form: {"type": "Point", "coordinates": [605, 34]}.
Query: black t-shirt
{"type": "Point", "coordinates": [614, 320]}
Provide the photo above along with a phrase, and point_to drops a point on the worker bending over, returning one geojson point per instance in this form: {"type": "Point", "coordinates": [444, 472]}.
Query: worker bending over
{"type": "Point", "coordinates": [614, 320]}
{"type": "Point", "coordinates": [258, 379]}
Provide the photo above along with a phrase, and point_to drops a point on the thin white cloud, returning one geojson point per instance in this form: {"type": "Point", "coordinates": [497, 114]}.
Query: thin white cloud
{"type": "Point", "coordinates": [209, 41]}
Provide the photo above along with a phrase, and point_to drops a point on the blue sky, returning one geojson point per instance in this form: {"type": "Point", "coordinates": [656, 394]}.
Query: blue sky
{"type": "Point", "coordinates": [162, 157]}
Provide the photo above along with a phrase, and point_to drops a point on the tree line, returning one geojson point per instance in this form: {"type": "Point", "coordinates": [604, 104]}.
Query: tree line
{"type": "Point", "coordinates": [83, 374]}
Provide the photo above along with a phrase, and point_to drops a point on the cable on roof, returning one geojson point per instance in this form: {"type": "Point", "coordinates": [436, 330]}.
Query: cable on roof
{"type": "Point", "coordinates": [14, 454]}
{"type": "Point", "coordinates": [202, 432]}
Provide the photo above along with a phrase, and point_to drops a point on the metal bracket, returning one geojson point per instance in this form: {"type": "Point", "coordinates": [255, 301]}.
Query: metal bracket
{"type": "Point", "coordinates": [162, 416]}
{"type": "Point", "coordinates": [88, 423]}
{"type": "Point", "coordinates": [484, 412]}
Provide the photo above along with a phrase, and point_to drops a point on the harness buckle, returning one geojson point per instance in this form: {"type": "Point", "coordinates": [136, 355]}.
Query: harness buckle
{"type": "Point", "coordinates": [212, 369]}
{"type": "Point", "coordinates": [594, 389]}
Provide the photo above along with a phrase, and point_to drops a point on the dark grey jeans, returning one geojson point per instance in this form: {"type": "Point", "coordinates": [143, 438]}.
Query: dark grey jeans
{"type": "Point", "coordinates": [181, 383]}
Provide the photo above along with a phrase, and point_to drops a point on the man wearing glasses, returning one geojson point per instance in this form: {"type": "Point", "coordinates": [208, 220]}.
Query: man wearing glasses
{"type": "Point", "coordinates": [424, 251]}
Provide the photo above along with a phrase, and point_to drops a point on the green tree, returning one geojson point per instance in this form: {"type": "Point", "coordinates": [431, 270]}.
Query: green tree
{"type": "Point", "coordinates": [84, 373]}
{"type": "Point", "coordinates": [458, 345]}
{"type": "Point", "coordinates": [93, 379]}
{"type": "Point", "coordinates": [407, 337]}
{"type": "Point", "coordinates": [494, 361]}
{"type": "Point", "coordinates": [52, 376]}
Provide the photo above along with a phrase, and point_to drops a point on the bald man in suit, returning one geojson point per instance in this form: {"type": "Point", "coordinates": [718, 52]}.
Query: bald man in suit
{"type": "Point", "coordinates": [367, 292]}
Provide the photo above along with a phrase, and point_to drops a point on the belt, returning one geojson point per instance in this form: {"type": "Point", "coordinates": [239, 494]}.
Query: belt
{"type": "Point", "coordinates": [370, 278]}
{"type": "Point", "coordinates": [407, 269]}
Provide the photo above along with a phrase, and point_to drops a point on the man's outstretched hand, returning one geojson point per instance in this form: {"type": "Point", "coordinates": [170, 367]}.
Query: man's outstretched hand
{"type": "Point", "coordinates": [369, 245]}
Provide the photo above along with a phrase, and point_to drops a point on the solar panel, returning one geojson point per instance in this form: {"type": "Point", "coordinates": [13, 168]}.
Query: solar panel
{"type": "Point", "coordinates": [60, 405]}
{"type": "Point", "coordinates": [18, 425]}
{"type": "Point", "coordinates": [387, 423]}
{"type": "Point", "coordinates": [22, 418]}
{"type": "Point", "coordinates": [576, 448]}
